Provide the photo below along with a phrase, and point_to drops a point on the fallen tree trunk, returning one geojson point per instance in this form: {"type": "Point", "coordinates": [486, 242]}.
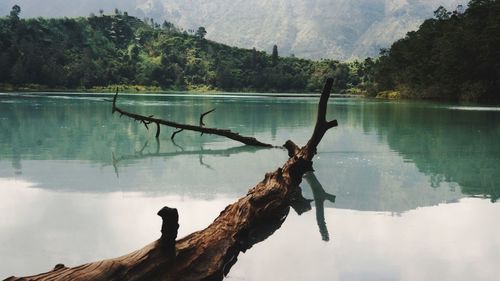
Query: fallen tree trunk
{"type": "Point", "coordinates": [209, 254]}
{"type": "Point", "coordinates": [146, 120]}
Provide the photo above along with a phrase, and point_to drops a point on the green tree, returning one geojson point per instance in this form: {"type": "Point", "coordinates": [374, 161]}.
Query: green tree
{"type": "Point", "coordinates": [201, 32]}
{"type": "Point", "coordinates": [107, 50]}
{"type": "Point", "coordinates": [450, 57]}
{"type": "Point", "coordinates": [275, 54]}
{"type": "Point", "coordinates": [441, 13]}
{"type": "Point", "coordinates": [14, 12]}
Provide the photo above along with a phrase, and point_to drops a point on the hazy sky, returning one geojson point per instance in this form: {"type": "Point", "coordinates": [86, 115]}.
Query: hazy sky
{"type": "Point", "coordinates": [60, 8]}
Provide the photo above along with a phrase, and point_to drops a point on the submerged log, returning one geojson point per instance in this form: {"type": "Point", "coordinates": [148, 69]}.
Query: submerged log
{"type": "Point", "coordinates": [210, 253]}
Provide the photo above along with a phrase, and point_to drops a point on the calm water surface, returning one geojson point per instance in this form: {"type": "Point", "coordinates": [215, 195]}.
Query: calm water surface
{"type": "Point", "coordinates": [416, 184]}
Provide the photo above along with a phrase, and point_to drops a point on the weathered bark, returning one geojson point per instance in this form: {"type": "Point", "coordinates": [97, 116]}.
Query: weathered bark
{"type": "Point", "coordinates": [209, 254]}
{"type": "Point", "coordinates": [146, 120]}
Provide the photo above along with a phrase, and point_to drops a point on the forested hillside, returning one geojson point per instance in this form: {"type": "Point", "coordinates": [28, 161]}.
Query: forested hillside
{"type": "Point", "coordinates": [104, 50]}
{"type": "Point", "coordinates": [452, 56]}
{"type": "Point", "coordinates": [335, 29]}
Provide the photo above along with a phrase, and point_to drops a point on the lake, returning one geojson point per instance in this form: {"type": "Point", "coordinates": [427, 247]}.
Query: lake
{"type": "Point", "coordinates": [415, 183]}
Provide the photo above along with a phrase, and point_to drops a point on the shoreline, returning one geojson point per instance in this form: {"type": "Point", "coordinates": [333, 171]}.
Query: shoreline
{"type": "Point", "coordinates": [147, 90]}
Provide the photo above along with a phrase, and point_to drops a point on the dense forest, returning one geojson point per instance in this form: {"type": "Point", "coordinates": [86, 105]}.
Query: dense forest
{"type": "Point", "coordinates": [105, 50]}
{"type": "Point", "coordinates": [453, 56]}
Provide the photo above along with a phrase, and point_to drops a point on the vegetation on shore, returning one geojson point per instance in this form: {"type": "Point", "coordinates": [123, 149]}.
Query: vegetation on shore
{"type": "Point", "coordinates": [453, 56]}
{"type": "Point", "coordinates": [98, 52]}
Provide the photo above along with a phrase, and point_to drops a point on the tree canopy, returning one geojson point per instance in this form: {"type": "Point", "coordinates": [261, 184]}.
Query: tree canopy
{"type": "Point", "coordinates": [106, 50]}
{"type": "Point", "coordinates": [455, 55]}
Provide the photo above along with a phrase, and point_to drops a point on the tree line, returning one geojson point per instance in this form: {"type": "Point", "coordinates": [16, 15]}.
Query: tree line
{"type": "Point", "coordinates": [453, 56]}
{"type": "Point", "coordinates": [118, 49]}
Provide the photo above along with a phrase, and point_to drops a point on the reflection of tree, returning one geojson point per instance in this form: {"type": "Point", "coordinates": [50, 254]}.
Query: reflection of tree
{"type": "Point", "coordinates": [302, 205]}
{"type": "Point", "coordinates": [320, 195]}
{"type": "Point", "coordinates": [447, 145]}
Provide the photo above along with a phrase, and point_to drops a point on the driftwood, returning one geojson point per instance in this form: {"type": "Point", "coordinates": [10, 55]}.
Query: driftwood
{"type": "Point", "coordinates": [209, 254]}
{"type": "Point", "coordinates": [147, 120]}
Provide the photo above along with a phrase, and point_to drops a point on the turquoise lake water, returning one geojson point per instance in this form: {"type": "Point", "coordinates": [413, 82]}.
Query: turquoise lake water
{"type": "Point", "coordinates": [416, 183]}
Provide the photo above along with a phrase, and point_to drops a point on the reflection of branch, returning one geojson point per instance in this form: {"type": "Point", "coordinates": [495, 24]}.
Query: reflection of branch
{"type": "Point", "coordinates": [157, 145]}
{"type": "Point", "coordinates": [146, 120]}
{"type": "Point", "coordinates": [216, 152]}
{"type": "Point", "coordinates": [143, 147]}
{"type": "Point", "coordinates": [113, 162]}
{"type": "Point", "coordinates": [176, 145]}
{"type": "Point", "coordinates": [320, 195]}
{"type": "Point", "coordinates": [200, 157]}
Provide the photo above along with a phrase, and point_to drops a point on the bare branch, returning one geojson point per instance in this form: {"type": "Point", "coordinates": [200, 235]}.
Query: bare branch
{"type": "Point", "coordinates": [175, 133]}
{"type": "Point", "coordinates": [143, 147]}
{"type": "Point", "coordinates": [157, 130]}
{"type": "Point", "coordinates": [321, 124]}
{"type": "Point", "coordinates": [291, 147]}
{"type": "Point", "coordinates": [332, 124]}
{"type": "Point", "coordinates": [203, 115]}
{"type": "Point", "coordinates": [211, 131]}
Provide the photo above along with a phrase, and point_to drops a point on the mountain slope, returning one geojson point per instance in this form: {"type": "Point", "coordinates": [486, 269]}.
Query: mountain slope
{"type": "Point", "coordinates": [105, 50]}
{"type": "Point", "coordinates": [339, 29]}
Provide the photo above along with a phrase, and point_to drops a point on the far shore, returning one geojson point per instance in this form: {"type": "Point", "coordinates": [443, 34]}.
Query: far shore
{"type": "Point", "coordinates": [139, 89]}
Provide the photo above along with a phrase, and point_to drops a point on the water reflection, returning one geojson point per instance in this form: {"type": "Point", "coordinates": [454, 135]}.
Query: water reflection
{"type": "Point", "coordinates": [40, 228]}
{"type": "Point", "coordinates": [443, 242]}
{"type": "Point", "coordinates": [448, 145]}
{"type": "Point", "coordinates": [320, 196]}
{"type": "Point", "coordinates": [143, 153]}
{"type": "Point", "coordinates": [391, 166]}
{"type": "Point", "coordinates": [388, 156]}
{"type": "Point", "coordinates": [300, 204]}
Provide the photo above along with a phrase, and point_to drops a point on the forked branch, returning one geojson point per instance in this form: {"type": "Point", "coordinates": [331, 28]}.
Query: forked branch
{"type": "Point", "coordinates": [320, 127]}
{"type": "Point", "coordinates": [146, 120]}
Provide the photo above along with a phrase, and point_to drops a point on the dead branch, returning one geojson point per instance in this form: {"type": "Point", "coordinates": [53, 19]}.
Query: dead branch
{"type": "Point", "coordinates": [210, 253]}
{"type": "Point", "coordinates": [203, 115]}
{"type": "Point", "coordinates": [175, 133]}
{"type": "Point", "coordinates": [146, 120]}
